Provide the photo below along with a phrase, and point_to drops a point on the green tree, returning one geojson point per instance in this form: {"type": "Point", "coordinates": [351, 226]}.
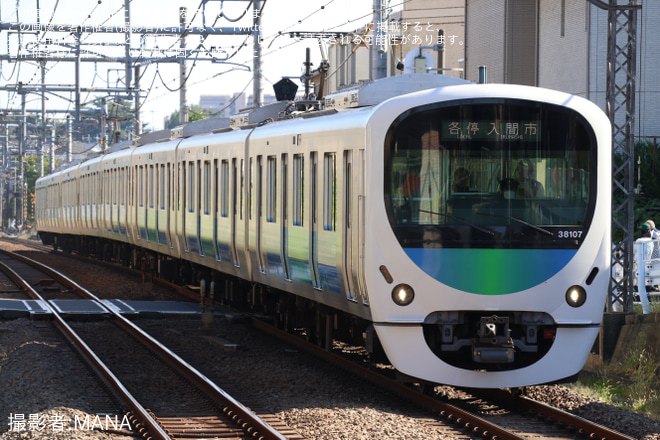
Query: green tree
{"type": "Point", "coordinates": [194, 114]}
{"type": "Point", "coordinates": [119, 118]}
{"type": "Point", "coordinates": [31, 172]}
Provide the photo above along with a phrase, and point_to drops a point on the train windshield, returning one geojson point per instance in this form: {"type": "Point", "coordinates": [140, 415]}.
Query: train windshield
{"type": "Point", "coordinates": [498, 174]}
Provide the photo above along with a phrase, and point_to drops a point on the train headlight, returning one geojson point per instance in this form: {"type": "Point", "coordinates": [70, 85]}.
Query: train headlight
{"type": "Point", "coordinates": [576, 296]}
{"type": "Point", "coordinates": [403, 294]}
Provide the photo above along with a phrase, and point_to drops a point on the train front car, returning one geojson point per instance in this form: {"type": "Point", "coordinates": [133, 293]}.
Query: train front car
{"type": "Point", "coordinates": [489, 248]}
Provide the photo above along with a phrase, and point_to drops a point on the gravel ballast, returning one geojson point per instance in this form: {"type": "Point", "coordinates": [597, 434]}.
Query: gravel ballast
{"type": "Point", "coordinates": [46, 382]}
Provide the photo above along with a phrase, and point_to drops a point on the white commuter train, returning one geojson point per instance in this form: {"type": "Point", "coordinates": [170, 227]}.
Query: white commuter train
{"type": "Point", "coordinates": [464, 227]}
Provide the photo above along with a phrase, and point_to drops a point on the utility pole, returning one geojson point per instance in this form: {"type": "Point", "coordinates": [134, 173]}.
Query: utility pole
{"type": "Point", "coordinates": [183, 105]}
{"type": "Point", "coordinates": [104, 123]}
{"type": "Point", "coordinates": [5, 144]}
{"type": "Point", "coordinates": [42, 138]}
{"type": "Point", "coordinates": [127, 46]}
{"type": "Point", "coordinates": [69, 139]}
{"type": "Point", "coordinates": [378, 49]}
{"type": "Point", "coordinates": [77, 76]}
{"type": "Point", "coordinates": [137, 129]}
{"type": "Point", "coordinates": [620, 108]}
{"type": "Point", "coordinates": [53, 139]}
{"type": "Point", "coordinates": [133, 60]}
{"type": "Point", "coordinates": [22, 138]}
{"type": "Point", "coordinates": [257, 99]}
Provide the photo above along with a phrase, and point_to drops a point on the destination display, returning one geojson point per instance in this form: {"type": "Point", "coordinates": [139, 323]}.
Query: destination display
{"type": "Point", "coordinates": [498, 130]}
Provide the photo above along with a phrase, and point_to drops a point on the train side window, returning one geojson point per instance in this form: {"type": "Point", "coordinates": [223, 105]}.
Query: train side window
{"type": "Point", "coordinates": [120, 196]}
{"type": "Point", "coordinates": [240, 213]}
{"type": "Point", "coordinates": [176, 195]}
{"type": "Point", "coordinates": [115, 186]}
{"type": "Point", "coordinates": [271, 189]}
{"type": "Point", "coordinates": [298, 188]}
{"type": "Point", "coordinates": [285, 186]}
{"type": "Point", "coordinates": [182, 192]}
{"type": "Point", "coordinates": [199, 185]}
{"type": "Point", "coordinates": [161, 187]}
{"type": "Point", "coordinates": [329, 191]}
{"type": "Point", "coordinates": [141, 187]}
{"type": "Point", "coordinates": [150, 186]}
{"type": "Point", "coordinates": [191, 187]}
{"type": "Point", "coordinates": [207, 187]}
{"type": "Point", "coordinates": [250, 189]}
{"type": "Point", "coordinates": [216, 188]}
{"type": "Point", "coordinates": [224, 189]}
{"type": "Point", "coordinates": [169, 186]}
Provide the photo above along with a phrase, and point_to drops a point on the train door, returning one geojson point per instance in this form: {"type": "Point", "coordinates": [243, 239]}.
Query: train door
{"type": "Point", "coordinates": [182, 204]}
{"type": "Point", "coordinates": [94, 199]}
{"type": "Point", "coordinates": [190, 216]}
{"type": "Point", "coordinates": [121, 200]}
{"type": "Point", "coordinates": [131, 214]}
{"type": "Point", "coordinates": [131, 211]}
{"type": "Point", "coordinates": [167, 194]}
{"type": "Point", "coordinates": [259, 214]}
{"type": "Point", "coordinates": [241, 215]}
{"type": "Point", "coordinates": [154, 203]}
{"type": "Point", "coordinates": [151, 211]}
{"type": "Point", "coordinates": [216, 209]}
{"type": "Point", "coordinates": [361, 280]}
{"type": "Point", "coordinates": [82, 199]}
{"type": "Point", "coordinates": [174, 197]}
{"type": "Point", "coordinates": [105, 224]}
{"type": "Point", "coordinates": [161, 218]}
{"type": "Point", "coordinates": [313, 230]}
{"type": "Point", "coordinates": [114, 214]}
{"type": "Point", "coordinates": [112, 203]}
{"type": "Point", "coordinates": [141, 208]}
{"type": "Point", "coordinates": [198, 209]}
{"type": "Point", "coordinates": [284, 229]}
{"type": "Point", "coordinates": [219, 187]}
{"type": "Point", "coordinates": [347, 242]}
{"type": "Point", "coordinates": [207, 215]}
{"type": "Point", "coordinates": [234, 211]}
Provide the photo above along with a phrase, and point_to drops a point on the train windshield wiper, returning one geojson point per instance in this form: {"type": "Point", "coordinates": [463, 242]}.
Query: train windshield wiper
{"type": "Point", "coordinates": [516, 219]}
{"type": "Point", "coordinates": [462, 220]}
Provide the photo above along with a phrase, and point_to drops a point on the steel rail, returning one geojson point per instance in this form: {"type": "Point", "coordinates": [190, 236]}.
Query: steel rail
{"type": "Point", "coordinates": [453, 414]}
{"type": "Point", "coordinates": [215, 393]}
{"type": "Point", "coordinates": [580, 425]}
{"type": "Point", "coordinates": [99, 368]}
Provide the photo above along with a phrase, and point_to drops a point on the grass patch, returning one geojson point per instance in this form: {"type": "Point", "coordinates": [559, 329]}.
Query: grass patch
{"type": "Point", "coordinates": [631, 384]}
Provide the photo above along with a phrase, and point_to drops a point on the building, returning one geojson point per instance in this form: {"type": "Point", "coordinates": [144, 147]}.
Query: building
{"type": "Point", "coordinates": [226, 105]}
{"type": "Point", "coordinates": [424, 29]}
{"type": "Point", "coordinates": [561, 45]}
{"type": "Point", "coordinates": [427, 23]}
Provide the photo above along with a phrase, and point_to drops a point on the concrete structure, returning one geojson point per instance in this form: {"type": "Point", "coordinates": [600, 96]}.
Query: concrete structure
{"type": "Point", "coordinates": [429, 22]}
{"type": "Point", "coordinates": [561, 45]}
{"type": "Point", "coordinates": [422, 23]}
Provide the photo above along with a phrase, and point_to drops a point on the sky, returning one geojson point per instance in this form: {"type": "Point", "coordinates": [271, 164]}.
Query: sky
{"type": "Point", "coordinates": [282, 55]}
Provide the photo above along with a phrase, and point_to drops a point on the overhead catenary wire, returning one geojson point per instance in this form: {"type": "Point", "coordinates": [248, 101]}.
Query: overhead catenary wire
{"type": "Point", "coordinates": [232, 52]}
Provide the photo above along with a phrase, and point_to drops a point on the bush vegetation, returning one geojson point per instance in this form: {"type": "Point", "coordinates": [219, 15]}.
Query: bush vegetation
{"type": "Point", "coordinates": [631, 384]}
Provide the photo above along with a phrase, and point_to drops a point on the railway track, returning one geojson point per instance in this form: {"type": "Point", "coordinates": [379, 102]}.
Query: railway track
{"type": "Point", "coordinates": [481, 415]}
{"type": "Point", "coordinates": [193, 407]}
{"type": "Point", "coordinates": [484, 415]}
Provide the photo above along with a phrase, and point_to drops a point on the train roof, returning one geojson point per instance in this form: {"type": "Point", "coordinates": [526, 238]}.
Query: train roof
{"type": "Point", "coordinates": [364, 94]}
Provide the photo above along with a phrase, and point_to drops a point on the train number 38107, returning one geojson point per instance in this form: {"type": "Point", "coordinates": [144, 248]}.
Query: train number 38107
{"type": "Point", "coordinates": [569, 234]}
